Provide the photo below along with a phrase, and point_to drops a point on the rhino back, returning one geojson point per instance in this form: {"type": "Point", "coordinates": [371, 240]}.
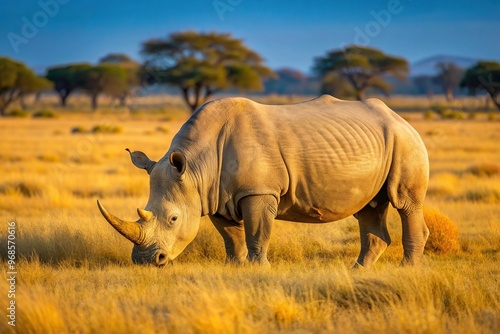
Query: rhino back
{"type": "Point", "coordinates": [323, 160]}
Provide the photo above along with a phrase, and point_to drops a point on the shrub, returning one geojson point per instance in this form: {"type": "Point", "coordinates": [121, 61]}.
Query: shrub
{"type": "Point", "coordinates": [162, 129]}
{"type": "Point", "coordinates": [18, 113]}
{"type": "Point", "coordinates": [484, 169]}
{"type": "Point", "coordinates": [48, 157]}
{"type": "Point", "coordinates": [438, 108]}
{"type": "Point", "coordinates": [45, 114]}
{"type": "Point", "coordinates": [443, 237]}
{"type": "Point", "coordinates": [492, 117]}
{"type": "Point", "coordinates": [429, 115]}
{"type": "Point", "coordinates": [104, 128]}
{"type": "Point", "coordinates": [452, 114]}
{"type": "Point", "coordinates": [78, 129]}
{"type": "Point", "coordinates": [483, 195]}
{"type": "Point", "coordinates": [24, 188]}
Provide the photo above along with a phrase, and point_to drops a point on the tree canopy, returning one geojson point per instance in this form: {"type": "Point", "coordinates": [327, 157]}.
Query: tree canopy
{"type": "Point", "coordinates": [108, 79]}
{"type": "Point", "coordinates": [484, 76]}
{"type": "Point", "coordinates": [17, 80]}
{"type": "Point", "coordinates": [67, 79]}
{"type": "Point", "coordinates": [201, 64]}
{"type": "Point", "coordinates": [131, 70]}
{"type": "Point", "coordinates": [115, 75]}
{"type": "Point", "coordinates": [362, 68]}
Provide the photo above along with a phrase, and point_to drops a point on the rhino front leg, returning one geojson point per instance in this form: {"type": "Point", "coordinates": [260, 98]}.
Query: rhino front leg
{"type": "Point", "coordinates": [233, 234]}
{"type": "Point", "coordinates": [258, 214]}
{"type": "Point", "coordinates": [373, 234]}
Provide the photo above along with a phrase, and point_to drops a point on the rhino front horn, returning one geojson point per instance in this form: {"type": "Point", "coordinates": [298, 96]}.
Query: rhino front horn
{"type": "Point", "coordinates": [130, 230]}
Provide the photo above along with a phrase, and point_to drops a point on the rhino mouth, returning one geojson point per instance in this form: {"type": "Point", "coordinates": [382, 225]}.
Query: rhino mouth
{"type": "Point", "coordinates": [151, 255]}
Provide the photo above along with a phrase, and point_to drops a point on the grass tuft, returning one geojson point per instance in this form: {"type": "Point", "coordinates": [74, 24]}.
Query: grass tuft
{"type": "Point", "coordinates": [443, 237]}
{"type": "Point", "coordinates": [45, 113]}
{"type": "Point", "coordinates": [26, 189]}
{"type": "Point", "coordinates": [103, 128]}
{"type": "Point", "coordinates": [485, 170]}
{"type": "Point", "coordinates": [18, 113]}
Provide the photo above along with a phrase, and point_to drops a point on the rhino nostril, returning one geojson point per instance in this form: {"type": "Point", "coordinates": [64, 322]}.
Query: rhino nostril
{"type": "Point", "coordinates": [161, 259]}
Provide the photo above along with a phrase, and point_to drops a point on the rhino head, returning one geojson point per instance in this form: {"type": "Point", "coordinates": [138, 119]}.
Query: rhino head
{"type": "Point", "coordinates": [171, 218]}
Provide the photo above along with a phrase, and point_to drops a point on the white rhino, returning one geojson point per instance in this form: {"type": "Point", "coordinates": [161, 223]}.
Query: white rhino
{"type": "Point", "coordinates": [245, 164]}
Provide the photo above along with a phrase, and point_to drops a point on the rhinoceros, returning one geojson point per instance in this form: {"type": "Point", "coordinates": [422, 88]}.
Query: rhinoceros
{"type": "Point", "coordinates": [245, 164]}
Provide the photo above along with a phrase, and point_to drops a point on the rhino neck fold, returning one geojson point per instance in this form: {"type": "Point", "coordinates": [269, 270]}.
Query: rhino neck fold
{"type": "Point", "coordinates": [203, 167]}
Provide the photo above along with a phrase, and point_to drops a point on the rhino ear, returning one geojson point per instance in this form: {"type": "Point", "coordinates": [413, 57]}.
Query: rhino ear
{"type": "Point", "coordinates": [178, 160]}
{"type": "Point", "coordinates": [141, 160]}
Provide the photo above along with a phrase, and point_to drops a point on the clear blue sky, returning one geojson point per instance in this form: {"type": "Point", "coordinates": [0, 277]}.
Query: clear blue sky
{"type": "Point", "coordinates": [286, 33]}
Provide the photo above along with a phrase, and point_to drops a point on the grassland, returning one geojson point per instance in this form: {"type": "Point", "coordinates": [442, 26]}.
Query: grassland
{"type": "Point", "coordinates": [75, 274]}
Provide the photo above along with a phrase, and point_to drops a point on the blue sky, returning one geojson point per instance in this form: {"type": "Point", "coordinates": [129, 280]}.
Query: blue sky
{"type": "Point", "coordinates": [286, 33]}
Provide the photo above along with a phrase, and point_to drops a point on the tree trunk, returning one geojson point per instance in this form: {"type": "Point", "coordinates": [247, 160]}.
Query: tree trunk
{"type": "Point", "coordinates": [22, 102]}
{"type": "Point", "coordinates": [123, 100]}
{"type": "Point", "coordinates": [360, 94]}
{"type": "Point", "coordinates": [494, 97]}
{"type": "Point", "coordinates": [63, 97]}
{"type": "Point", "coordinates": [449, 94]}
{"type": "Point", "coordinates": [94, 101]}
{"type": "Point", "coordinates": [192, 105]}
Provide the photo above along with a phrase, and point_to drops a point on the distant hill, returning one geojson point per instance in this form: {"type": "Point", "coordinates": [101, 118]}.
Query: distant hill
{"type": "Point", "coordinates": [428, 65]}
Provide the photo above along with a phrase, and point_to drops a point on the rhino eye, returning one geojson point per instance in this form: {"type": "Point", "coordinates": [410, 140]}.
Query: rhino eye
{"type": "Point", "coordinates": [174, 218]}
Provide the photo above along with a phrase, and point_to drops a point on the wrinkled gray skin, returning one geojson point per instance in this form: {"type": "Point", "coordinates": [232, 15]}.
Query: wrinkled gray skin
{"type": "Point", "coordinates": [245, 164]}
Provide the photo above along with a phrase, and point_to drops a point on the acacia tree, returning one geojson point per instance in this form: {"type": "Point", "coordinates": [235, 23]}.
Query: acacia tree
{"type": "Point", "coordinates": [103, 79]}
{"type": "Point", "coordinates": [362, 68]}
{"type": "Point", "coordinates": [448, 78]}
{"type": "Point", "coordinates": [201, 64]}
{"type": "Point", "coordinates": [16, 80]}
{"type": "Point", "coordinates": [67, 79]}
{"type": "Point", "coordinates": [131, 69]}
{"type": "Point", "coordinates": [484, 76]}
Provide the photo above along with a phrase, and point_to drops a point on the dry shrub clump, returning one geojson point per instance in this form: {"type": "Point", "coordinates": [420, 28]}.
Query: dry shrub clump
{"type": "Point", "coordinates": [443, 237]}
{"type": "Point", "coordinates": [485, 169]}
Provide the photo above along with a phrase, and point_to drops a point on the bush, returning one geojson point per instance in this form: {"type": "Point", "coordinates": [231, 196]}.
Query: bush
{"type": "Point", "coordinates": [452, 114]}
{"type": "Point", "coordinates": [78, 129]}
{"type": "Point", "coordinates": [484, 169]}
{"type": "Point", "coordinates": [24, 188]}
{"type": "Point", "coordinates": [443, 237]}
{"type": "Point", "coordinates": [429, 115]}
{"type": "Point", "coordinates": [162, 129]}
{"type": "Point", "coordinates": [492, 117]}
{"type": "Point", "coordinates": [18, 113]}
{"type": "Point", "coordinates": [103, 128]}
{"type": "Point", "coordinates": [482, 194]}
{"type": "Point", "coordinates": [45, 114]}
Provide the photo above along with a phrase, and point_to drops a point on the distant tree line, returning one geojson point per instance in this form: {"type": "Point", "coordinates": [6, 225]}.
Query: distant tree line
{"type": "Point", "coordinates": [200, 65]}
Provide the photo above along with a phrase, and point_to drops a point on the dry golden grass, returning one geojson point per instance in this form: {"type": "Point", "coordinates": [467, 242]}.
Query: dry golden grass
{"type": "Point", "coordinates": [75, 274]}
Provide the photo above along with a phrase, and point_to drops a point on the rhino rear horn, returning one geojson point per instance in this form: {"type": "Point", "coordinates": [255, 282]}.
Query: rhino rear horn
{"type": "Point", "coordinates": [141, 160]}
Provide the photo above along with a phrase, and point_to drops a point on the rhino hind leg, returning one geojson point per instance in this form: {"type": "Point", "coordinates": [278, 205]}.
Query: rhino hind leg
{"type": "Point", "coordinates": [258, 214]}
{"type": "Point", "coordinates": [373, 233]}
{"type": "Point", "coordinates": [415, 234]}
{"type": "Point", "coordinates": [234, 239]}
{"type": "Point", "coordinates": [406, 187]}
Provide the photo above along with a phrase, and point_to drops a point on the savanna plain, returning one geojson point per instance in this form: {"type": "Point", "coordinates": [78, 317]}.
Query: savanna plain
{"type": "Point", "coordinates": [75, 275]}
